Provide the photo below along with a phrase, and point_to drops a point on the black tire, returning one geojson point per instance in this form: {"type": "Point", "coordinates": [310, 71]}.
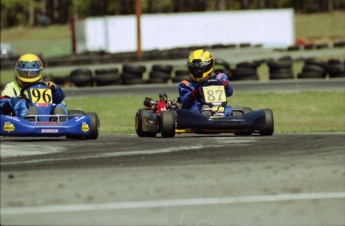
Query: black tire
{"type": "Point", "coordinates": [276, 76]}
{"type": "Point", "coordinates": [130, 76]}
{"type": "Point", "coordinates": [279, 64]}
{"type": "Point", "coordinates": [81, 77]}
{"type": "Point", "coordinates": [243, 73]}
{"type": "Point", "coordinates": [310, 74]}
{"type": "Point", "coordinates": [162, 68]}
{"type": "Point", "coordinates": [105, 71]}
{"type": "Point", "coordinates": [60, 80]}
{"type": "Point", "coordinates": [181, 73]}
{"type": "Point", "coordinates": [138, 125]}
{"type": "Point", "coordinates": [134, 81]}
{"type": "Point", "coordinates": [280, 70]}
{"type": "Point", "coordinates": [313, 61]}
{"type": "Point", "coordinates": [108, 76]}
{"type": "Point", "coordinates": [315, 68]}
{"type": "Point", "coordinates": [249, 64]}
{"type": "Point", "coordinates": [269, 123]}
{"type": "Point", "coordinates": [133, 69]}
{"type": "Point", "coordinates": [167, 124]}
{"type": "Point", "coordinates": [94, 125]}
{"type": "Point", "coordinates": [160, 75]}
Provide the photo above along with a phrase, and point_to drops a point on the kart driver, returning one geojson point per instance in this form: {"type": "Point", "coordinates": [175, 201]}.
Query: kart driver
{"type": "Point", "coordinates": [201, 69]}
{"type": "Point", "coordinates": [28, 70]}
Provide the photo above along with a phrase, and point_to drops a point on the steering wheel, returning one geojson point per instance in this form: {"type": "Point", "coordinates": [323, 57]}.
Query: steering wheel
{"type": "Point", "coordinates": [29, 85]}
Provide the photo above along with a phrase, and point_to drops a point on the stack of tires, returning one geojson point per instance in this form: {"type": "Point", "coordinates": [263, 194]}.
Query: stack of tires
{"type": "Point", "coordinates": [81, 77]}
{"type": "Point", "coordinates": [109, 76]}
{"type": "Point", "coordinates": [133, 74]}
{"type": "Point", "coordinates": [313, 68]}
{"type": "Point", "coordinates": [60, 80]}
{"type": "Point", "coordinates": [336, 68]}
{"type": "Point", "coordinates": [280, 69]}
{"type": "Point", "coordinates": [180, 75]}
{"type": "Point", "coordinates": [160, 74]}
{"type": "Point", "coordinates": [246, 71]}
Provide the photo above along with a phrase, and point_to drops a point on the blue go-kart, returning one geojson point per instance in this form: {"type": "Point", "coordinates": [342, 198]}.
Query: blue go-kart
{"type": "Point", "coordinates": [42, 122]}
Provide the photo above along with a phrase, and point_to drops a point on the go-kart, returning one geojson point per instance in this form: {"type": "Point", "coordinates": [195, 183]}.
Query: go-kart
{"type": "Point", "coordinates": [41, 122]}
{"type": "Point", "coordinates": [210, 120]}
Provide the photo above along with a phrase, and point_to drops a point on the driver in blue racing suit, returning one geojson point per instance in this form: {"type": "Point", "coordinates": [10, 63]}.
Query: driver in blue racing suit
{"type": "Point", "coordinates": [28, 70]}
{"type": "Point", "coordinates": [200, 70]}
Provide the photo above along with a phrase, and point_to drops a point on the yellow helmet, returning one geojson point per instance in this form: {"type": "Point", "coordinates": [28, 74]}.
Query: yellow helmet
{"type": "Point", "coordinates": [28, 69]}
{"type": "Point", "coordinates": [200, 65]}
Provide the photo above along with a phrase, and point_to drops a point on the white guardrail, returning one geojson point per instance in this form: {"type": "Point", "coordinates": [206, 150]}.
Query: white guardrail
{"type": "Point", "coordinates": [113, 34]}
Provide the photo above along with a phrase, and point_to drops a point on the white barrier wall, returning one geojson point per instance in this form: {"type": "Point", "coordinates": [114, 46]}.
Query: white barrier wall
{"type": "Point", "coordinates": [271, 28]}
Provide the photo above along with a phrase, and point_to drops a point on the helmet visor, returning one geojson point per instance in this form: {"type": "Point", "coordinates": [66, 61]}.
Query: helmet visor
{"type": "Point", "coordinates": [29, 74]}
{"type": "Point", "coordinates": [197, 69]}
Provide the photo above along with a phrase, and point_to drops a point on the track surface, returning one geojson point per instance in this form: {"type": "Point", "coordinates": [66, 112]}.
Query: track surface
{"type": "Point", "coordinates": [284, 179]}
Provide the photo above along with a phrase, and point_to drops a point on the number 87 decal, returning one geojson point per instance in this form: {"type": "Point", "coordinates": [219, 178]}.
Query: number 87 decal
{"type": "Point", "coordinates": [214, 94]}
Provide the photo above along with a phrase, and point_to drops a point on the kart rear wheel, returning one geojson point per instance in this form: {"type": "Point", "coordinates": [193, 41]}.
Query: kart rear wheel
{"type": "Point", "coordinates": [269, 123]}
{"type": "Point", "coordinates": [94, 125]}
{"type": "Point", "coordinates": [167, 124]}
{"type": "Point", "coordinates": [139, 123]}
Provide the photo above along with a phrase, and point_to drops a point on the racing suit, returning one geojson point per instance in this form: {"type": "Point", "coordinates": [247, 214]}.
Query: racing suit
{"type": "Point", "coordinates": [10, 102]}
{"type": "Point", "coordinates": [186, 87]}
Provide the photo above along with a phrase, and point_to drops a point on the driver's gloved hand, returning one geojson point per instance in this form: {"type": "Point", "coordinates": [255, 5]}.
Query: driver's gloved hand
{"type": "Point", "coordinates": [5, 106]}
{"type": "Point", "coordinates": [51, 85]}
{"type": "Point", "coordinates": [225, 83]}
{"type": "Point", "coordinates": [195, 94]}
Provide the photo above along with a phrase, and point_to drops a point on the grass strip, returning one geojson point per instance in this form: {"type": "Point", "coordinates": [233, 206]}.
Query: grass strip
{"type": "Point", "coordinates": [297, 112]}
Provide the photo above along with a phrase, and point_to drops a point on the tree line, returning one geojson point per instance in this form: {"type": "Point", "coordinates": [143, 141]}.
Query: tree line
{"type": "Point", "coordinates": [45, 12]}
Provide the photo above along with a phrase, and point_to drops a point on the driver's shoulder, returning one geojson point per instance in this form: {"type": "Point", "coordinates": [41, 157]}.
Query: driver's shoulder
{"type": "Point", "coordinates": [11, 89]}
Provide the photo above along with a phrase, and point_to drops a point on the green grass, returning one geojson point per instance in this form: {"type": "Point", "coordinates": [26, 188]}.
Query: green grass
{"type": "Point", "coordinates": [321, 25]}
{"type": "Point", "coordinates": [298, 112]}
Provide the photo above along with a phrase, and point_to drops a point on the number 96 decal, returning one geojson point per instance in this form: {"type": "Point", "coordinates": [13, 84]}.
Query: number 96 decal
{"type": "Point", "coordinates": [41, 96]}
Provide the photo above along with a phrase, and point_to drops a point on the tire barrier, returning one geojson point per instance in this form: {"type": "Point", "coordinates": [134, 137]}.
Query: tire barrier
{"type": "Point", "coordinates": [336, 68]}
{"type": "Point", "coordinates": [280, 69]}
{"type": "Point", "coordinates": [180, 75]}
{"type": "Point", "coordinates": [81, 77]}
{"type": "Point", "coordinates": [132, 74]}
{"type": "Point", "coordinates": [313, 68]}
{"type": "Point", "coordinates": [104, 77]}
{"type": "Point", "coordinates": [246, 71]}
{"type": "Point", "coordinates": [160, 74]}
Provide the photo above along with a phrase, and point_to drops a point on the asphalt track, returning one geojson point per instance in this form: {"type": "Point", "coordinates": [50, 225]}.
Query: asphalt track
{"type": "Point", "coordinates": [284, 179]}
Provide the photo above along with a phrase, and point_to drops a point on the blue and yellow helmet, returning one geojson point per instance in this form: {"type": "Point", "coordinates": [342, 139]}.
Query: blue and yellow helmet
{"type": "Point", "coordinates": [200, 65]}
{"type": "Point", "coordinates": [28, 69]}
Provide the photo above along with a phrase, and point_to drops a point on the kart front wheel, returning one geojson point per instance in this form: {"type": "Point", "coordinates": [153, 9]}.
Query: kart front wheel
{"type": "Point", "coordinates": [167, 124]}
{"type": "Point", "coordinates": [139, 124]}
{"type": "Point", "coordinates": [269, 123]}
{"type": "Point", "coordinates": [94, 125]}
